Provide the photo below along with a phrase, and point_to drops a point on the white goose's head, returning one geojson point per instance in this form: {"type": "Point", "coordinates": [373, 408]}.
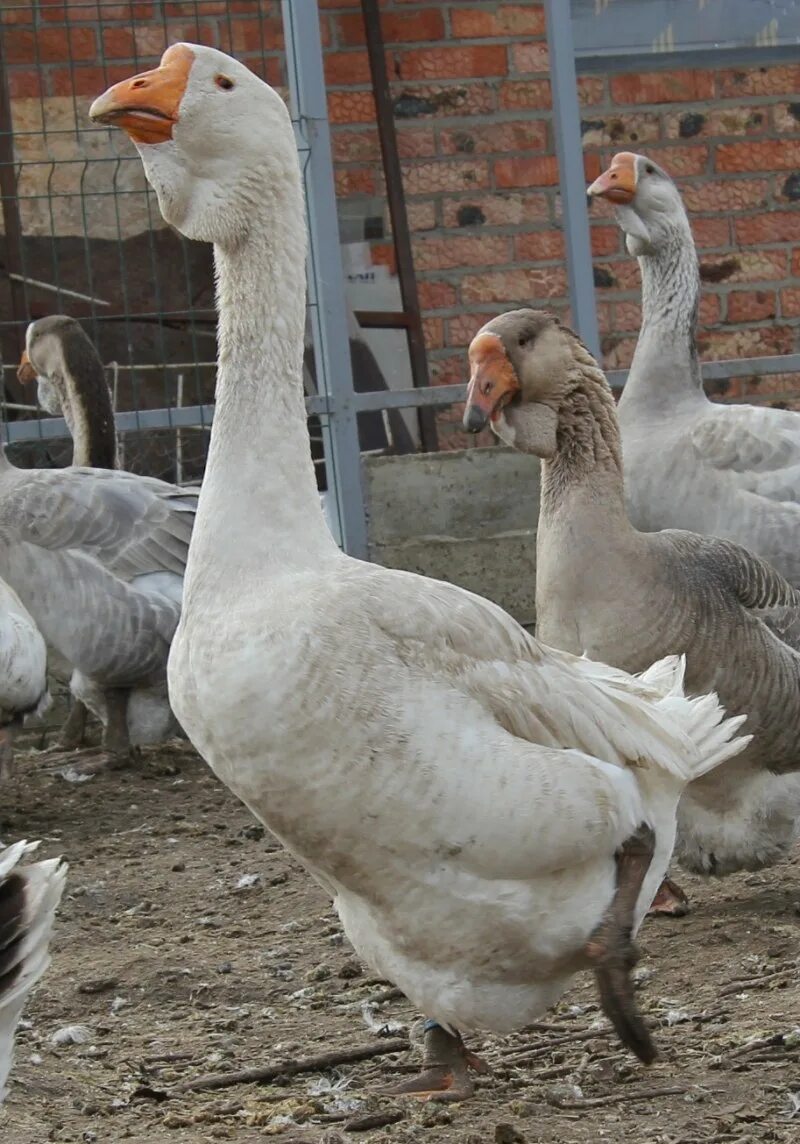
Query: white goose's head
{"type": "Point", "coordinates": [215, 140]}
{"type": "Point", "coordinates": [648, 205]}
{"type": "Point", "coordinates": [520, 369]}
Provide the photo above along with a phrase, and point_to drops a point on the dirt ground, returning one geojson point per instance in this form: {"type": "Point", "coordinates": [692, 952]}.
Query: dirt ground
{"type": "Point", "coordinates": [189, 943]}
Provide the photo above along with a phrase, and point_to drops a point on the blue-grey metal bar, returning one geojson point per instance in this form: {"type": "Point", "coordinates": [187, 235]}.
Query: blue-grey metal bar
{"type": "Point", "coordinates": [575, 216]}
{"type": "Point", "coordinates": [326, 288]}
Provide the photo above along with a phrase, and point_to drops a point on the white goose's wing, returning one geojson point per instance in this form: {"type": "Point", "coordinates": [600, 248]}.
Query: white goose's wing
{"type": "Point", "coordinates": [23, 657]}
{"type": "Point", "coordinates": [758, 446]}
{"type": "Point", "coordinates": [131, 524]}
{"type": "Point", "coordinates": [552, 698]}
{"type": "Point", "coordinates": [30, 897]}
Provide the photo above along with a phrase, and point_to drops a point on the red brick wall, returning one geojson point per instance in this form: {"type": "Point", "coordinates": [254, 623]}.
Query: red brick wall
{"type": "Point", "coordinates": [472, 99]}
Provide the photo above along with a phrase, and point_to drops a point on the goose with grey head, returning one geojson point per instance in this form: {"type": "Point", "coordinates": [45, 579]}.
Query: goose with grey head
{"type": "Point", "coordinates": [627, 597]}
{"type": "Point", "coordinates": [29, 897]}
{"type": "Point", "coordinates": [721, 470]}
{"type": "Point", "coordinates": [464, 794]}
{"type": "Point", "coordinates": [96, 556]}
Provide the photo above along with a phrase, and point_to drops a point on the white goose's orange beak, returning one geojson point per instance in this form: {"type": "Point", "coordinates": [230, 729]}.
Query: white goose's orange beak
{"type": "Point", "coordinates": [492, 384]}
{"type": "Point", "coordinates": [147, 106]}
{"type": "Point", "coordinates": [25, 371]}
{"type": "Point", "coordinates": [618, 183]}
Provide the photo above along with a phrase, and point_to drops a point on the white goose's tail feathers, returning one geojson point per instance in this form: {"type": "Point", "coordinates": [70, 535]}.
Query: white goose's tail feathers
{"type": "Point", "coordinates": [29, 897]}
{"type": "Point", "coordinates": [702, 719]}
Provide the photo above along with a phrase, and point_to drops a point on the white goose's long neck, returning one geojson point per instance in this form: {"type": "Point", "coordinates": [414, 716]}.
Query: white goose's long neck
{"type": "Point", "coordinates": [259, 505]}
{"type": "Point", "coordinates": [665, 370]}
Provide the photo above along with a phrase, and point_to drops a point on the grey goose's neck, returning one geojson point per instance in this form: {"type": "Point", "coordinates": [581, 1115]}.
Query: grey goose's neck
{"type": "Point", "coordinates": [260, 503]}
{"type": "Point", "coordinates": [665, 370]}
{"type": "Point", "coordinates": [584, 476]}
{"type": "Point", "coordinates": [86, 404]}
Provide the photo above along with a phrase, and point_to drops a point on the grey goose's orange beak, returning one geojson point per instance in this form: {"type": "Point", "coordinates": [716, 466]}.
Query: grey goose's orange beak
{"type": "Point", "coordinates": [25, 371]}
{"type": "Point", "coordinates": [493, 381]}
{"type": "Point", "coordinates": [146, 106]}
{"type": "Point", "coordinates": [618, 183]}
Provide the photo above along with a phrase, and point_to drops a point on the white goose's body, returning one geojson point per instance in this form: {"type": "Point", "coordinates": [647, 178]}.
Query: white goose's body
{"type": "Point", "coordinates": [106, 583]}
{"type": "Point", "coordinates": [460, 790]}
{"type": "Point", "coordinates": [29, 897]}
{"type": "Point", "coordinates": [23, 671]}
{"type": "Point", "coordinates": [731, 471]}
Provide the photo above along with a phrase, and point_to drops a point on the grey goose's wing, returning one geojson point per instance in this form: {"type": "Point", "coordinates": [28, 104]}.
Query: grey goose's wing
{"type": "Point", "coordinates": [130, 524]}
{"type": "Point", "coordinates": [759, 447]}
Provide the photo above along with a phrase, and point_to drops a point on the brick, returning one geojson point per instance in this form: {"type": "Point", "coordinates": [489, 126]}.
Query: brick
{"type": "Point", "coordinates": [462, 250]}
{"type": "Point", "coordinates": [416, 143]}
{"type": "Point", "coordinates": [591, 90]}
{"type": "Point", "coordinates": [525, 93]}
{"type": "Point", "coordinates": [519, 287]}
{"type": "Point", "coordinates": [75, 12]}
{"type": "Point", "coordinates": [436, 295]}
{"type": "Point", "coordinates": [539, 246]}
{"type": "Point", "coordinates": [463, 62]}
{"type": "Point", "coordinates": [529, 57]}
{"type": "Point", "coordinates": [442, 100]}
{"type": "Point", "coordinates": [627, 316]}
{"type": "Point", "coordinates": [355, 146]}
{"type": "Point", "coordinates": [518, 171]}
{"type": "Point", "coordinates": [758, 155]}
{"type": "Point", "coordinates": [774, 226]}
{"type": "Point", "coordinates": [795, 266]}
{"type": "Point", "coordinates": [629, 129]}
{"type": "Point", "coordinates": [617, 352]}
{"type": "Point", "coordinates": [710, 309]}
{"type": "Point", "coordinates": [678, 161]}
{"type": "Point", "coordinates": [463, 328]}
{"type": "Point", "coordinates": [623, 274]}
{"type": "Point", "coordinates": [346, 68]}
{"type": "Point", "coordinates": [23, 83]}
{"type": "Point", "coordinates": [201, 7]}
{"type": "Point", "coordinates": [384, 254]}
{"type": "Point", "coordinates": [710, 233]}
{"type": "Point", "coordinates": [751, 305]}
{"type": "Point", "coordinates": [448, 370]}
{"type": "Point", "coordinates": [83, 80]}
{"type": "Point", "coordinates": [790, 302]}
{"type": "Point", "coordinates": [256, 35]}
{"type": "Point", "coordinates": [433, 333]}
{"type": "Point", "coordinates": [498, 208]}
{"type": "Point", "coordinates": [423, 24]}
{"type": "Point", "coordinates": [662, 87]}
{"type": "Point", "coordinates": [355, 181]}
{"type": "Point", "coordinates": [484, 138]}
{"type": "Point", "coordinates": [351, 107]}
{"type": "Point", "coordinates": [754, 265]}
{"type": "Point", "coordinates": [48, 45]}
{"type": "Point", "coordinates": [757, 341]}
{"type": "Point", "coordinates": [737, 82]}
{"type": "Point", "coordinates": [504, 20]}
{"type": "Point", "coordinates": [428, 178]}
{"type": "Point", "coordinates": [786, 116]}
{"type": "Point", "coordinates": [725, 194]}
{"type": "Point", "coordinates": [605, 240]}
{"type": "Point", "coordinates": [421, 215]}
{"type": "Point", "coordinates": [711, 122]}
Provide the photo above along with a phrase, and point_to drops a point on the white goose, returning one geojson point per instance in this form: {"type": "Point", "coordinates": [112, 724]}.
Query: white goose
{"type": "Point", "coordinates": [487, 814]}
{"type": "Point", "coordinates": [23, 672]}
{"type": "Point", "coordinates": [29, 897]}
{"type": "Point", "coordinates": [722, 470]}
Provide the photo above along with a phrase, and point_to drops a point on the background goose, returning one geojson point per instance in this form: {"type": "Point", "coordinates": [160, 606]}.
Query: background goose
{"type": "Point", "coordinates": [628, 597]}
{"type": "Point", "coordinates": [722, 470]}
{"type": "Point", "coordinates": [29, 897]}
{"type": "Point", "coordinates": [60, 357]}
{"type": "Point", "coordinates": [97, 558]}
{"type": "Point", "coordinates": [23, 672]}
{"type": "Point", "coordinates": [459, 790]}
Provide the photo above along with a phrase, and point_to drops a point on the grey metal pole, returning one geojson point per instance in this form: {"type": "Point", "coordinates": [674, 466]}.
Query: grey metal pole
{"type": "Point", "coordinates": [575, 215]}
{"type": "Point", "coordinates": [326, 286]}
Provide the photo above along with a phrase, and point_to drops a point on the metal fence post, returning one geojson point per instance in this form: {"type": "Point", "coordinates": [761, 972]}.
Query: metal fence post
{"type": "Point", "coordinates": [326, 283]}
{"type": "Point", "coordinates": [575, 216]}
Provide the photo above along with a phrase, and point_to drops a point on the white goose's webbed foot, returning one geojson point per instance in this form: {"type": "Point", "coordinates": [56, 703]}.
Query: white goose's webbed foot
{"type": "Point", "coordinates": [446, 1065]}
{"type": "Point", "coordinates": [611, 950]}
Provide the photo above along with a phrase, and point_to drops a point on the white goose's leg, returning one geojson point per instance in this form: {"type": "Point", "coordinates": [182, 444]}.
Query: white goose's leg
{"type": "Point", "coordinates": [611, 951]}
{"type": "Point", "coordinates": [73, 733]}
{"type": "Point", "coordinates": [446, 1064]}
{"type": "Point", "coordinates": [7, 767]}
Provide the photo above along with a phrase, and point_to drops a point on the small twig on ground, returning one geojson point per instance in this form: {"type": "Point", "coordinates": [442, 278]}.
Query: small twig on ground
{"type": "Point", "coordinates": [373, 1120]}
{"type": "Point", "coordinates": [291, 1067]}
{"type": "Point", "coordinates": [755, 982]}
{"type": "Point", "coordinates": [531, 1053]}
{"type": "Point", "coordinates": [167, 1057]}
{"type": "Point", "coordinates": [617, 1097]}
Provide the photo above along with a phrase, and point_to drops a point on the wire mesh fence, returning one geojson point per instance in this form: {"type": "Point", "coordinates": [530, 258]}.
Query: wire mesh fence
{"type": "Point", "coordinates": [82, 233]}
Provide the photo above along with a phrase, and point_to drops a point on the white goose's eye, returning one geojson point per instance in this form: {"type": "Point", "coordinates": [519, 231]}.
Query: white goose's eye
{"type": "Point", "coordinates": [650, 169]}
{"type": "Point", "coordinates": [224, 83]}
